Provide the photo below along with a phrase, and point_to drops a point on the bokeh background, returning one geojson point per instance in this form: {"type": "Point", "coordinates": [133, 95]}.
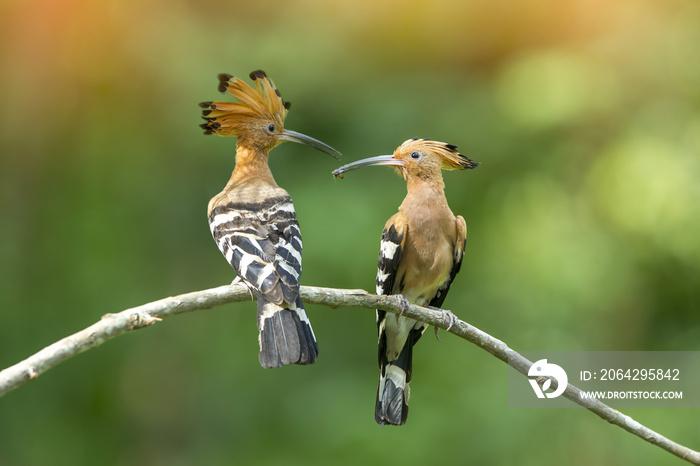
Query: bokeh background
{"type": "Point", "coordinates": [583, 220]}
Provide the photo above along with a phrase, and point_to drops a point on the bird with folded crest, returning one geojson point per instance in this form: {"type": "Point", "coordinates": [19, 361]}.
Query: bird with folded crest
{"type": "Point", "coordinates": [421, 252]}
{"type": "Point", "coordinates": [253, 220]}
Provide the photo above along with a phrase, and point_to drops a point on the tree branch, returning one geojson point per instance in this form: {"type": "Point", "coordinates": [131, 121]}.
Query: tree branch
{"type": "Point", "coordinates": [113, 325]}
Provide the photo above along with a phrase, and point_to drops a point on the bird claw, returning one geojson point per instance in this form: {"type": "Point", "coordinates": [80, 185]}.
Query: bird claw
{"type": "Point", "coordinates": [247, 286]}
{"type": "Point", "coordinates": [449, 315]}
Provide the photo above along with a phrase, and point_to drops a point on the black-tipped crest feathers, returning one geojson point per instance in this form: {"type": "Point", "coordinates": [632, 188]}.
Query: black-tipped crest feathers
{"type": "Point", "coordinates": [223, 81]}
{"type": "Point", "coordinates": [264, 102]}
{"type": "Point", "coordinates": [451, 158]}
{"type": "Point", "coordinates": [257, 74]}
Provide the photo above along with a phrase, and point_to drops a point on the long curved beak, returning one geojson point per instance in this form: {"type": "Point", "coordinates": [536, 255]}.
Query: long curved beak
{"type": "Point", "coordinates": [293, 136]}
{"type": "Point", "coordinates": [378, 160]}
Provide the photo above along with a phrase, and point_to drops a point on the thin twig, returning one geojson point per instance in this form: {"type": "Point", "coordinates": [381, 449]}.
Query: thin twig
{"type": "Point", "coordinates": [112, 325]}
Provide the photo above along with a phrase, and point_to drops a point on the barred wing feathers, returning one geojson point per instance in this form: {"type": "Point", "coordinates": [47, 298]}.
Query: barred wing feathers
{"type": "Point", "coordinates": [262, 242]}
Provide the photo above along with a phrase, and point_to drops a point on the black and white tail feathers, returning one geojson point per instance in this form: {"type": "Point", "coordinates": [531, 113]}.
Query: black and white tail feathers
{"type": "Point", "coordinates": [285, 335]}
{"type": "Point", "coordinates": [262, 242]}
{"type": "Point", "coordinates": [393, 391]}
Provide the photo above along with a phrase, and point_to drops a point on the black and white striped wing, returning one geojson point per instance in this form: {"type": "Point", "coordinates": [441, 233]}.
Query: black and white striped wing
{"type": "Point", "coordinates": [262, 242]}
{"type": "Point", "coordinates": [390, 254]}
{"type": "Point", "coordinates": [391, 247]}
{"type": "Point", "coordinates": [288, 248]}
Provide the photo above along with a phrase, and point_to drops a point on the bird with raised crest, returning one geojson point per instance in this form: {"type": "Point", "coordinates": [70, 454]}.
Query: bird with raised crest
{"type": "Point", "coordinates": [421, 252]}
{"type": "Point", "coordinates": [253, 220]}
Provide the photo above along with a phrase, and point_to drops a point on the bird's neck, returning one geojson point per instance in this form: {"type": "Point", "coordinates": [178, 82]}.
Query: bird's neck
{"type": "Point", "coordinates": [251, 164]}
{"type": "Point", "coordinates": [425, 196]}
{"type": "Point", "coordinates": [429, 189]}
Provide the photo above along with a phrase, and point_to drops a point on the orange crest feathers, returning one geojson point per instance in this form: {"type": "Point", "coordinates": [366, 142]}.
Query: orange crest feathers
{"type": "Point", "coordinates": [262, 103]}
{"type": "Point", "coordinates": [450, 157]}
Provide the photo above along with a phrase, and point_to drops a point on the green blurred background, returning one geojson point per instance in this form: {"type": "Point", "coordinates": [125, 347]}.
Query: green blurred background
{"type": "Point", "coordinates": [583, 220]}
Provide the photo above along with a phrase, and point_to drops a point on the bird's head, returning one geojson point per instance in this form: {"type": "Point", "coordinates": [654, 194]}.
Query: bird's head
{"type": "Point", "coordinates": [257, 119]}
{"type": "Point", "coordinates": [421, 158]}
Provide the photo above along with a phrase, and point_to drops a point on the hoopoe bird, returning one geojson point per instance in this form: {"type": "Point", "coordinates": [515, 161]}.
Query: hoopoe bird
{"type": "Point", "coordinates": [421, 253]}
{"type": "Point", "coordinates": [253, 220]}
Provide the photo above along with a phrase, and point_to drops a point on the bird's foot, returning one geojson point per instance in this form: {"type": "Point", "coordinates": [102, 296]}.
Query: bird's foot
{"type": "Point", "coordinates": [247, 286]}
{"type": "Point", "coordinates": [403, 302]}
{"type": "Point", "coordinates": [451, 318]}
{"type": "Point", "coordinates": [449, 315]}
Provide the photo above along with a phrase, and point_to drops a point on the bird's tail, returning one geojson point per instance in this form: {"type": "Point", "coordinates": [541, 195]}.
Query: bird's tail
{"type": "Point", "coordinates": [393, 391]}
{"type": "Point", "coordinates": [285, 336]}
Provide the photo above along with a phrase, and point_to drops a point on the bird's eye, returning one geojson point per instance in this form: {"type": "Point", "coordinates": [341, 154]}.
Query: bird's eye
{"type": "Point", "coordinates": [271, 128]}
{"type": "Point", "coordinates": [415, 155]}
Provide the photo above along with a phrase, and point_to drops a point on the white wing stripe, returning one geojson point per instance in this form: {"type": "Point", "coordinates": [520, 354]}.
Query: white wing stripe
{"type": "Point", "coordinates": [266, 272]}
{"type": "Point", "coordinates": [225, 217]}
{"type": "Point", "coordinates": [290, 248]}
{"type": "Point", "coordinates": [388, 249]}
{"type": "Point", "coordinates": [246, 260]}
{"type": "Point", "coordinates": [291, 270]}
